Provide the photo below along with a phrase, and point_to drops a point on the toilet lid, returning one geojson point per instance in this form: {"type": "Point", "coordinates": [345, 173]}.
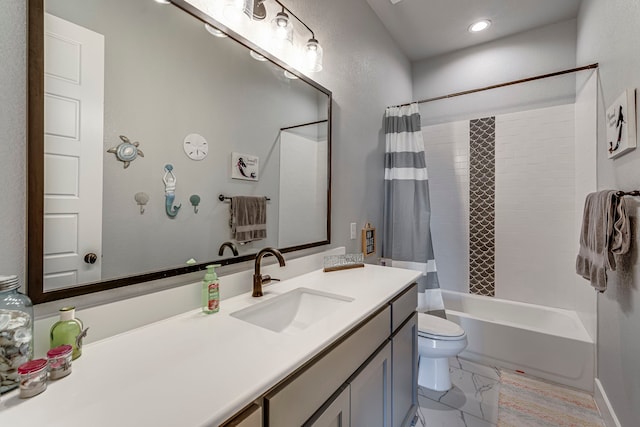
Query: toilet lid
{"type": "Point", "coordinates": [429, 325]}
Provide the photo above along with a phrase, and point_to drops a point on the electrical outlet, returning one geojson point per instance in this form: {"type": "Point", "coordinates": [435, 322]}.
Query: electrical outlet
{"type": "Point", "coordinates": [353, 231]}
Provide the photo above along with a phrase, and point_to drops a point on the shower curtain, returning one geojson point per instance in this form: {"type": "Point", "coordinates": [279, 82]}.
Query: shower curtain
{"type": "Point", "coordinates": [406, 233]}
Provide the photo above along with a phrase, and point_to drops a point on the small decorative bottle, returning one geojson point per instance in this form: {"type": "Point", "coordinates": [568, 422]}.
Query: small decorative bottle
{"type": "Point", "coordinates": [68, 330]}
{"type": "Point", "coordinates": [211, 291]}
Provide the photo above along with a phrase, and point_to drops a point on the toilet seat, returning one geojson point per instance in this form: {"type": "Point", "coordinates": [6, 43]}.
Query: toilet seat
{"type": "Point", "coordinates": [437, 328]}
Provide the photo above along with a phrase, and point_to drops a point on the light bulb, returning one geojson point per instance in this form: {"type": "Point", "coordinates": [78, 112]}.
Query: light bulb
{"type": "Point", "coordinates": [290, 75]}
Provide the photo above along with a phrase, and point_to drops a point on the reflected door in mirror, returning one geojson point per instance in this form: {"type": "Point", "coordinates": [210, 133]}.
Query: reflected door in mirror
{"type": "Point", "coordinates": [74, 88]}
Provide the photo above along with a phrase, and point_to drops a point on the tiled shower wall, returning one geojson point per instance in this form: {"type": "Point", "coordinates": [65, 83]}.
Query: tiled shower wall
{"type": "Point", "coordinates": [447, 152]}
{"type": "Point", "coordinates": [536, 242]}
{"type": "Point", "coordinates": [535, 209]}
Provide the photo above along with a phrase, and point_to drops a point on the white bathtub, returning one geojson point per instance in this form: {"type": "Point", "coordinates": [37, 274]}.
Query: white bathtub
{"type": "Point", "coordinates": [548, 343]}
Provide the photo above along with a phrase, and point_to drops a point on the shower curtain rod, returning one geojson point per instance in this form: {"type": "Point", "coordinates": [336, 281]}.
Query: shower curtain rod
{"type": "Point", "coordinates": [514, 82]}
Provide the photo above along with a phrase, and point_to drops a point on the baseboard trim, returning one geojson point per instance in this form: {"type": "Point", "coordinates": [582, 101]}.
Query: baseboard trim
{"type": "Point", "coordinates": [604, 406]}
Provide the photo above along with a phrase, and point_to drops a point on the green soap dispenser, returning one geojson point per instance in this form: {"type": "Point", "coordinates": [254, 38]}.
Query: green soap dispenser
{"type": "Point", "coordinates": [68, 330]}
{"type": "Point", "coordinates": [211, 291]}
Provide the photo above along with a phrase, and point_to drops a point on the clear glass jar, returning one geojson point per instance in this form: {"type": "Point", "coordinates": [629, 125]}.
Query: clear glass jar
{"type": "Point", "coordinates": [16, 331]}
{"type": "Point", "coordinates": [59, 361]}
{"type": "Point", "coordinates": [33, 377]}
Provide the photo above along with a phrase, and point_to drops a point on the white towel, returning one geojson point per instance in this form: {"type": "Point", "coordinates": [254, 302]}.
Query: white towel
{"type": "Point", "coordinates": [605, 232]}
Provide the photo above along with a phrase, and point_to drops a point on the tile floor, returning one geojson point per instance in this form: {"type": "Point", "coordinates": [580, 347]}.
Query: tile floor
{"type": "Point", "coordinates": [472, 402]}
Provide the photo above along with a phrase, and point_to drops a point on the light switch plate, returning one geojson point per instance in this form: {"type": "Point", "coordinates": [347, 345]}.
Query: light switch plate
{"type": "Point", "coordinates": [353, 231]}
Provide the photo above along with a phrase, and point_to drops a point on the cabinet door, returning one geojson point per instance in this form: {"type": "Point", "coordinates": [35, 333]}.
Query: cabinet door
{"type": "Point", "coordinates": [404, 374]}
{"type": "Point", "coordinates": [251, 417]}
{"type": "Point", "coordinates": [335, 414]}
{"type": "Point", "coordinates": [371, 392]}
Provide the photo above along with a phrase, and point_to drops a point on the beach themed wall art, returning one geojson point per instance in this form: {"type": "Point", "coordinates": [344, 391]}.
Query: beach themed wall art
{"type": "Point", "coordinates": [245, 166]}
{"type": "Point", "coordinates": [621, 124]}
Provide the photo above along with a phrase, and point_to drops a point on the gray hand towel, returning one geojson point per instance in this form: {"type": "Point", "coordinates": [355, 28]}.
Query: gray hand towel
{"type": "Point", "coordinates": [248, 218]}
{"type": "Point", "coordinates": [605, 232]}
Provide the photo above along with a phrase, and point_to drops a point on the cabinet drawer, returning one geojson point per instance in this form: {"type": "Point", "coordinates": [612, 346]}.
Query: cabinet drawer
{"type": "Point", "coordinates": [403, 306]}
{"type": "Point", "coordinates": [292, 403]}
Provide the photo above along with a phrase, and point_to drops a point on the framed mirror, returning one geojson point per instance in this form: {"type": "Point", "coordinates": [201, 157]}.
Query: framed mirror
{"type": "Point", "coordinates": [143, 127]}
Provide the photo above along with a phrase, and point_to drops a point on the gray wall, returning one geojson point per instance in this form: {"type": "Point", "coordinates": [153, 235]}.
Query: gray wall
{"type": "Point", "coordinates": [540, 51]}
{"type": "Point", "coordinates": [363, 68]}
{"type": "Point", "coordinates": [608, 32]}
{"type": "Point", "coordinates": [366, 72]}
{"type": "Point", "coordinates": [12, 136]}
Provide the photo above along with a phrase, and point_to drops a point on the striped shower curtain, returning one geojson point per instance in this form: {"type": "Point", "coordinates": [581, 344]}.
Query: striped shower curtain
{"type": "Point", "coordinates": [406, 233]}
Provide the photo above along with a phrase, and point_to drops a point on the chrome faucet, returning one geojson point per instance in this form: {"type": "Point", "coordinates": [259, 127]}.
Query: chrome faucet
{"type": "Point", "coordinates": [229, 245]}
{"type": "Point", "coordinates": [259, 279]}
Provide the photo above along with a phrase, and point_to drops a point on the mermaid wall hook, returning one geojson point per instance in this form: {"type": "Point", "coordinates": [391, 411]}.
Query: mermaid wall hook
{"type": "Point", "coordinates": [169, 180]}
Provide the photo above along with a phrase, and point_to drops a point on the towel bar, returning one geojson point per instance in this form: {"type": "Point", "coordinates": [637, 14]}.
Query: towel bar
{"type": "Point", "coordinates": [634, 193]}
{"type": "Point", "coordinates": [222, 198]}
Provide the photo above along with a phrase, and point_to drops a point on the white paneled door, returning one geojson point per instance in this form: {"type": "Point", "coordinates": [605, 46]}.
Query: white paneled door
{"type": "Point", "coordinates": [74, 104]}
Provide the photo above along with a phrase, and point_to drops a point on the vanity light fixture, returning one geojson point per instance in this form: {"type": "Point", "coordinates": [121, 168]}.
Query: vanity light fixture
{"type": "Point", "coordinates": [478, 26]}
{"type": "Point", "coordinates": [313, 55]}
{"type": "Point", "coordinates": [308, 55]}
{"type": "Point", "coordinates": [282, 27]}
{"type": "Point", "coordinates": [236, 9]}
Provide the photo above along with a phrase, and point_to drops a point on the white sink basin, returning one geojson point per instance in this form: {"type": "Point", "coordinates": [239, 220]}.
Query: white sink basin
{"type": "Point", "coordinates": [293, 311]}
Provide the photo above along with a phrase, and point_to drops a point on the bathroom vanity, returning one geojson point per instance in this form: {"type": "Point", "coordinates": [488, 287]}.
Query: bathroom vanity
{"type": "Point", "coordinates": [314, 350]}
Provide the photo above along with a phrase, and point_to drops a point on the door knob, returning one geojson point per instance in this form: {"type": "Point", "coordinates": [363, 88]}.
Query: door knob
{"type": "Point", "coordinates": [90, 258]}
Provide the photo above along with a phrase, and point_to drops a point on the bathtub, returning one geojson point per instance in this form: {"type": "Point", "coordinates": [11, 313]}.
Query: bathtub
{"type": "Point", "coordinates": [544, 342]}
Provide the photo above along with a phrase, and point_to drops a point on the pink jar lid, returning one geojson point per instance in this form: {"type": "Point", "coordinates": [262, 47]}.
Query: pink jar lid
{"type": "Point", "coordinates": [32, 366]}
{"type": "Point", "coordinates": [61, 350]}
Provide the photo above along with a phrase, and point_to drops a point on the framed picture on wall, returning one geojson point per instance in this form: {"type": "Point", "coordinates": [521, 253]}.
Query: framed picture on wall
{"type": "Point", "coordinates": [245, 166]}
{"type": "Point", "coordinates": [621, 124]}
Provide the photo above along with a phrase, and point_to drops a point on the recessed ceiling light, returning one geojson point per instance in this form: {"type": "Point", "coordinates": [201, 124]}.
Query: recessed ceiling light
{"type": "Point", "coordinates": [163, 1]}
{"type": "Point", "coordinates": [479, 26]}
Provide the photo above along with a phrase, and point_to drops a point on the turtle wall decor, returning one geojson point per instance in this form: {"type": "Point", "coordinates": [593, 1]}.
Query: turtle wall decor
{"type": "Point", "coordinates": [126, 151]}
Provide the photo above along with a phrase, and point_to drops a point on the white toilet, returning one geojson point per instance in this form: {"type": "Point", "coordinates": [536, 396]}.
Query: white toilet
{"type": "Point", "coordinates": [438, 339]}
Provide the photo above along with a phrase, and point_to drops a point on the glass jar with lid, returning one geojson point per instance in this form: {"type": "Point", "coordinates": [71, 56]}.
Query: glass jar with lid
{"type": "Point", "coordinates": [16, 332]}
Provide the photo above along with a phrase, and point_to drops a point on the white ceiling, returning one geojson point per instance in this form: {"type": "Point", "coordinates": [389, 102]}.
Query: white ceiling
{"type": "Point", "coordinates": [425, 28]}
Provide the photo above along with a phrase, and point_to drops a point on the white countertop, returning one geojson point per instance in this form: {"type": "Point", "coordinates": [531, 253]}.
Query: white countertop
{"type": "Point", "coordinates": [196, 369]}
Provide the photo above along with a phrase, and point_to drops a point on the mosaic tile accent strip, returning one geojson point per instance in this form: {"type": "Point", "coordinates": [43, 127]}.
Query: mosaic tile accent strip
{"type": "Point", "coordinates": [482, 196]}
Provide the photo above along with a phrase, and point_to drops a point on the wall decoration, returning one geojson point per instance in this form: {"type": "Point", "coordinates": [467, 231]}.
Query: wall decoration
{"type": "Point", "coordinates": [195, 201]}
{"type": "Point", "coordinates": [195, 146]}
{"type": "Point", "coordinates": [169, 180]}
{"type": "Point", "coordinates": [621, 124]}
{"type": "Point", "coordinates": [126, 151]}
{"type": "Point", "coordinates": [141, 199]}
{"type": "Point", "coordinates": [244, 166]}
{"type": "Point", "coordinates": [368, 240]}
